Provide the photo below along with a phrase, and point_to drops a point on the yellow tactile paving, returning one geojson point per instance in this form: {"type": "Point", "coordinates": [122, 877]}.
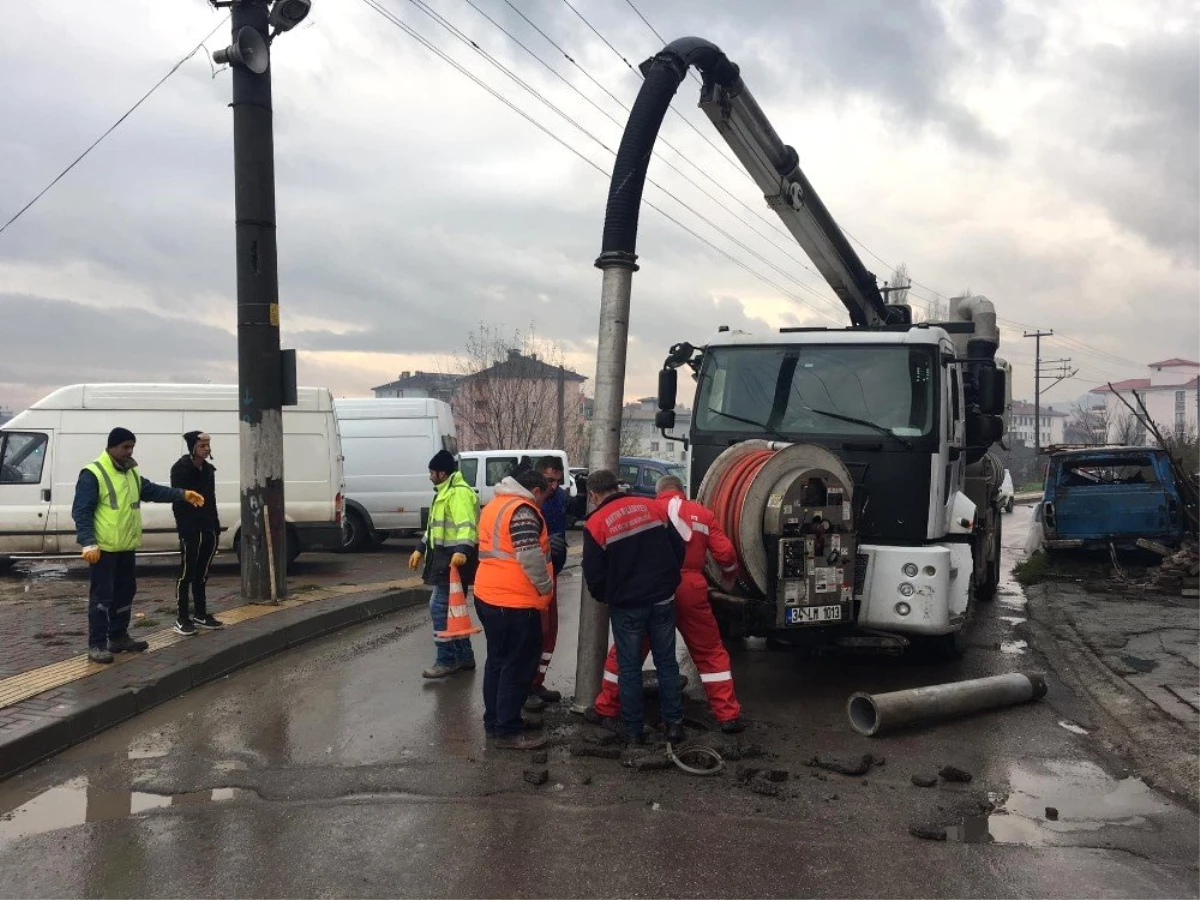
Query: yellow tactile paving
{"type": "Point", "coordinates": [20, 687]}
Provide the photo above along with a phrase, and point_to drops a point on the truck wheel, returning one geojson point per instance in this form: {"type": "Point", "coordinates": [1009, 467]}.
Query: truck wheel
{"type": "Point", "coordinates": [355, 533]}
{"type": "Point", "coordinates": [378, 537]}
{"type": "Point", "coordinates": [943, 648]}
{"type": "Point", "coordinates": [293, 546]}
{"type": "Point", "coordinates": [985, 591]}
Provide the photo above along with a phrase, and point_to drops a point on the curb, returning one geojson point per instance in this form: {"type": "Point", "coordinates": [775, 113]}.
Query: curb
{"type": "Point", "coordinates": [1027, 499]}
{"type": "Point", "coordinates": [1138, 725]}
{"type": "Point", "coordinates": [46, 724]}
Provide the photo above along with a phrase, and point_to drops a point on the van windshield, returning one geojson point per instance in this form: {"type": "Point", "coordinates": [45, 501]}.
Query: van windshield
{"type": "Point", "coordinates": [469, 468]}
{"type": "Point", "coordinates": [22, 455]}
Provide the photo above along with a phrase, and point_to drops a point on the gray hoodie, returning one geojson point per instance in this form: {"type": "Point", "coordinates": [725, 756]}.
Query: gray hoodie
{"type": "Point", "coordinates": [527, 527]}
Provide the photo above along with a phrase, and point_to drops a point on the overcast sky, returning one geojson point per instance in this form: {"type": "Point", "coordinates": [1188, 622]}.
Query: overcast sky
{"type": "Point", "coordinates": [1043, 154]}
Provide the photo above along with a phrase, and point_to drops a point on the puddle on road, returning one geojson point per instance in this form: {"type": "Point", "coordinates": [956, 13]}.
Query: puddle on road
{"type": "Point", "coordinates": [75, 802]}
{"type": "Point", "coordinates": [1013, 648]}
{"type": "Point", "coordinates": [1087, 799]}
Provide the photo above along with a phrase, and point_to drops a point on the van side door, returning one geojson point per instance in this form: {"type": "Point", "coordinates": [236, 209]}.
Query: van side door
{"type": "Point", "coordinates": [25, 492]}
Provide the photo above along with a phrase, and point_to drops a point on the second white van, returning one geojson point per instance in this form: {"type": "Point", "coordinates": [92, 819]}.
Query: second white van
{"type": "Point", "coordinates": [387, 444]}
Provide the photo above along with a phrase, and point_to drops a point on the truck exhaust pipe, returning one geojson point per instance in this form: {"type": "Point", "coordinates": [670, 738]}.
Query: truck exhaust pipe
{"type": "Point", "coordinates": [875, 714]}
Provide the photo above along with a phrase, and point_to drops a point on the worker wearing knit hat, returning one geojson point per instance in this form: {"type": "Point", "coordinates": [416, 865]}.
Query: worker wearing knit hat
{"type": "Point", "coordinates": [198, 528]}
{"type": "Point", "coordinates": [443, 461]}
{"type": "Point", "coordinates": [119, 436]}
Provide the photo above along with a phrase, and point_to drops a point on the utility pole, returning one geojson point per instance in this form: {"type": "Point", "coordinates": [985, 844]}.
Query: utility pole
{"type": "Point", "coordinates": [261, 383]}
{"type": "Point", "coordinates": [560, 431]}
{"type": "Point", "coordinates": [1037, 388]}
{"type": "Point", "coordinates": [611, 349]}
{"type": "Point", "coordinates": [1059, 370]}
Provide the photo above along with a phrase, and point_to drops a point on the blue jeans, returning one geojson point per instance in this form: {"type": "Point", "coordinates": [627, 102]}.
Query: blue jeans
{"type": "Point", "coordinates": [630, 626]}
{"type": "Point", "coordinates": [452, 652]}
{"type": "Point", "coordinates": [514, 649]}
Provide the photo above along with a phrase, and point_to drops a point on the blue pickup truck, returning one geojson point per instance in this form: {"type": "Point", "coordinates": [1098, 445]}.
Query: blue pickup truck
{"type": "Point", "coordinates": [1101, 495]}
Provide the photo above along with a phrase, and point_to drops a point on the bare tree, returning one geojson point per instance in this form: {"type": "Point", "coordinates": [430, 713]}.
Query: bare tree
{"type": "Point", "coordinates": [508, 395]}
{"type": "Point", "coordinates": [1088, 425]}
{"type": "Point", "coordinates": [631, 438]}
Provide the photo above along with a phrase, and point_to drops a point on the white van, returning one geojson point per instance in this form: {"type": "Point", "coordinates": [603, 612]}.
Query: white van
{"type": "Point", "coordinates": [484, 469]}
{"type": "Point", "coordinates": [43, 449]}
{"type": "Point", "coordinates": [387, 444]}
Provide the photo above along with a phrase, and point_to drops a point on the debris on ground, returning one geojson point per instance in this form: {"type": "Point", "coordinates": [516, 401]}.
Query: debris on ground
{"type": "Point", "coordinates": [928, 832]}
{"type": "Point", "coordinates": [599, 751]}
{"type": "Point", "coordinates": [736, 752]}
{"type": "Point", "coordinates": [925, 781]}
{"type": "Point", "coordinates": [647, 762]}
{"type": "Point", "coordinates": [539, 757]}
{"type": "Point", "coordinates": [761, 785]}
{"type": "Point", "coordinates": [1177, 572]}
{"type": "Point", "coordinates": [537, 776]}
{"type": "Point", "coordinates": [603, 738]}
{"type": "Point", "coordinates": [955, 774]}
{"type": "Point", "coordinates": [748, 773]}
{"type": "Point", "coordinates": [843, 765]}
{"type": "Point", "coordinates": [1051, 813]}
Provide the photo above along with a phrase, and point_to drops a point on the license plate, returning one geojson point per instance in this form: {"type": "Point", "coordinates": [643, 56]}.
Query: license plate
{"type": "Point", "coordinates": [804, 615]}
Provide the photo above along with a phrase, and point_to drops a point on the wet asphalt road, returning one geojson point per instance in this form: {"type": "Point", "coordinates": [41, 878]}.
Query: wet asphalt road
{"type": "Point", "coordinates": [336, 770]}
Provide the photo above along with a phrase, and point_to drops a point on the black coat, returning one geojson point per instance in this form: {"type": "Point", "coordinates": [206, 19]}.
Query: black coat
{"type": "Point", "coordinates": [190, 519]}
{"type": "Point", "coordinates": [631, 554]}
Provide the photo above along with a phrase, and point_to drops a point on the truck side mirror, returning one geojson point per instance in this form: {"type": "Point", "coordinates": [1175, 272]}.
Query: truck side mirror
{"type": "Point", "coordinates": [993, 392]}
{"type": "Point", "coordinates": [983, 430]}
{"type": "Point", "coordinates": [668, 381]}
{"type": "Point", "coordinates": [664, 419]}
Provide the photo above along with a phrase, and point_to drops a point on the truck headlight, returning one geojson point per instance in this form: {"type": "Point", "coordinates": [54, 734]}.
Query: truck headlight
{"type": "Point", "coordinates": [910, 570]}
{"type": "Point", "coordinates": [906, 589]}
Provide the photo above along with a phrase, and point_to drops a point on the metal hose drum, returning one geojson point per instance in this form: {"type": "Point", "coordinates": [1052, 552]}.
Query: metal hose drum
{"type": "Point", "coordinates": [875, 714]}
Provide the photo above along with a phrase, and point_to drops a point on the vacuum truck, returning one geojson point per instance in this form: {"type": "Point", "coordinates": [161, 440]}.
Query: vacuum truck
{"type": "Point", "coordinates": [852, 467]}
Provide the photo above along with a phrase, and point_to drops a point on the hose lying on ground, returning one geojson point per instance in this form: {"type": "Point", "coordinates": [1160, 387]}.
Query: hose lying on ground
{"type": "Point", "coordinates": [698, 750]}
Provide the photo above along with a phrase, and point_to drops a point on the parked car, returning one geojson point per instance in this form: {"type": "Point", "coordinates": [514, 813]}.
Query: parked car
{"type": "Point", "coordinates": [43, 448]}
{"type": "Point", "coordinates": [577, 507]}
{"type": "Point", "coordinates": [1102, 495]}
{"type": "Point", "coordinates": [1007, 494]}
{"type": "Point", "coordinates": [387, 443]}
{"type": "Point", "coordinates": [484, 469]}
{"type": "Point", "coordinates": [640, 474]}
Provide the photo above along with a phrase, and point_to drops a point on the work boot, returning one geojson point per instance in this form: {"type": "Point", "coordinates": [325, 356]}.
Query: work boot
{"type": "Point", "coordinates": [675, 734]}
{"type": "Point", "coordinates": [520, 742]}
{"type": "Point", "coordinates": [546, 695]}
{"type": "Point", "coordinates": [466, 665]}
{"type": "Point", "coordinates": [534, 703]}
{"type": "Point", "coordinates": [733, 726]}
{"type": "Point", "coordinates": [438, 670]}
{"type": "Point", "coordinates": [99, 655]}
{"type": "Point", "coordinates": [612, 723]}
{"type": "Point", "coordinates": [126, 644]}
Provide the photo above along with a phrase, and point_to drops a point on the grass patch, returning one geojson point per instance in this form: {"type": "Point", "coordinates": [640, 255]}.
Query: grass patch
{"type": "Point", "coordinates": [1029, 487]}
{"type": "Point", "coordinates": [145, 623]}
{"type": "Point", "coordinates": [1034, 570]}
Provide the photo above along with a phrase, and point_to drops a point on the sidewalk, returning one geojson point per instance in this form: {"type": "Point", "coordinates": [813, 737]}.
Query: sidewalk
{"type": "Point", "coordinates": [51, 696]}
{"type": "Point", "coordinates": [1136, 655]}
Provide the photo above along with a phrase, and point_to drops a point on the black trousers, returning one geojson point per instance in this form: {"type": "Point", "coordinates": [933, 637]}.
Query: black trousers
{"type": "Point", "coordinates": [110, 597]}
{"type": "Point", "coordinates": [196, 552]}
{"type": "Point", "coordinates": [514, 648]}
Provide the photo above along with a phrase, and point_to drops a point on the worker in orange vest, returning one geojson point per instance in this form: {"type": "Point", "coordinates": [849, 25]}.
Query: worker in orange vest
{"type": "Point", "coordinates": [513, 588]}
{"type": "Point", "coordinates": [694, 618]}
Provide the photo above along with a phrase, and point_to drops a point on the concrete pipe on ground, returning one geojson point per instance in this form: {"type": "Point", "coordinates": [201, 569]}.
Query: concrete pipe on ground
{"type": "Point", "coordinates": [875, 714]}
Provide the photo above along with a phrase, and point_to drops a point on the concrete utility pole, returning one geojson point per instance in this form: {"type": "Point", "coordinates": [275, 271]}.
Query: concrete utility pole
{"type": "Point", "coordinates": [618, 268]}
{"type": "Point", "coordinates": [260, 372]}
{"type": "Point", "coordinates": [1037, 388]}
{"type": "Point", "coordinates": [560, 431]}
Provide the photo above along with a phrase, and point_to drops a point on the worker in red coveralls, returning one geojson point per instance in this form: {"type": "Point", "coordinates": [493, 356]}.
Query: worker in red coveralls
{"type": "Point", "coordinates": [694, 618]}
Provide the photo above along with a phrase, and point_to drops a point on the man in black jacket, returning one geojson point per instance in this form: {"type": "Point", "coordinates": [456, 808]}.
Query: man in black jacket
{"type": "Point", "coordinates": [632, 559]}
{"type": "Point", "coordinates": [198, 531]}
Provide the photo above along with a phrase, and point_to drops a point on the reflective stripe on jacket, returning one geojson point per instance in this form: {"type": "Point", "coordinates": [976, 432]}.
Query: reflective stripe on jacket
{"type": "Point", "coordinates": [505, 577]}
{"type": "Point", "coordinates": [699, 529]}
{"type": "Point", "coordinates": [118, 517]}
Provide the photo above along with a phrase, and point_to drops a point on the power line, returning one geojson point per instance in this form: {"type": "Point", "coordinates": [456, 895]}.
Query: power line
{"type": "Point", "coordinates": [789, 250]}
{"type": "Point", "coordinates": [429, 45]}
{"type": "Point", "coordinates": [92, 146]}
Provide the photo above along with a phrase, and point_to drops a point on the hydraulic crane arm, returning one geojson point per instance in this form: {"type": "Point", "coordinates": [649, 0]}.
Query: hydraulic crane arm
{"type": "Point", "coordinates": [773, 165]}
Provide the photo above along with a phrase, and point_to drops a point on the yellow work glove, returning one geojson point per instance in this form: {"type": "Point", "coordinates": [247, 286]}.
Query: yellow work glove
{"type": "Point", "coordinates": [91, 555]}
{"type": "Point", "coordinates": [193, 498]}
{"type": "Point", "coordinates": [414, 561]}
{"type": "Point", "coordinates": [458, 559]}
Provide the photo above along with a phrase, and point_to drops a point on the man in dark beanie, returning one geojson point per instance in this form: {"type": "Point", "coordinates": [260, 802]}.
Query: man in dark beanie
{"type": "Point", "coordinates": [108, 524]}
{"type": "Point", "coordinates": [451, 539]}
{"type": "Point", "coordinates": [199, 528]}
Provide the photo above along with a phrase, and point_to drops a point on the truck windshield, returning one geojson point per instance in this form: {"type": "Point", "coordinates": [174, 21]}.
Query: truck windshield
{"type": "Point", "coordinates": [802, 389]}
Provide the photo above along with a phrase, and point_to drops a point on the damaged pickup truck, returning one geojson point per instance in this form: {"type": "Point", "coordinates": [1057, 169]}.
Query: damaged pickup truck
{"type": "Point", "coordinates": [1099, 496]}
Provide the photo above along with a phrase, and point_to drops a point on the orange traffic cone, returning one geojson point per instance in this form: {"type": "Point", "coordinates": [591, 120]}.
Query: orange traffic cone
{"type": "Point", "coordinates": [458, 617]}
